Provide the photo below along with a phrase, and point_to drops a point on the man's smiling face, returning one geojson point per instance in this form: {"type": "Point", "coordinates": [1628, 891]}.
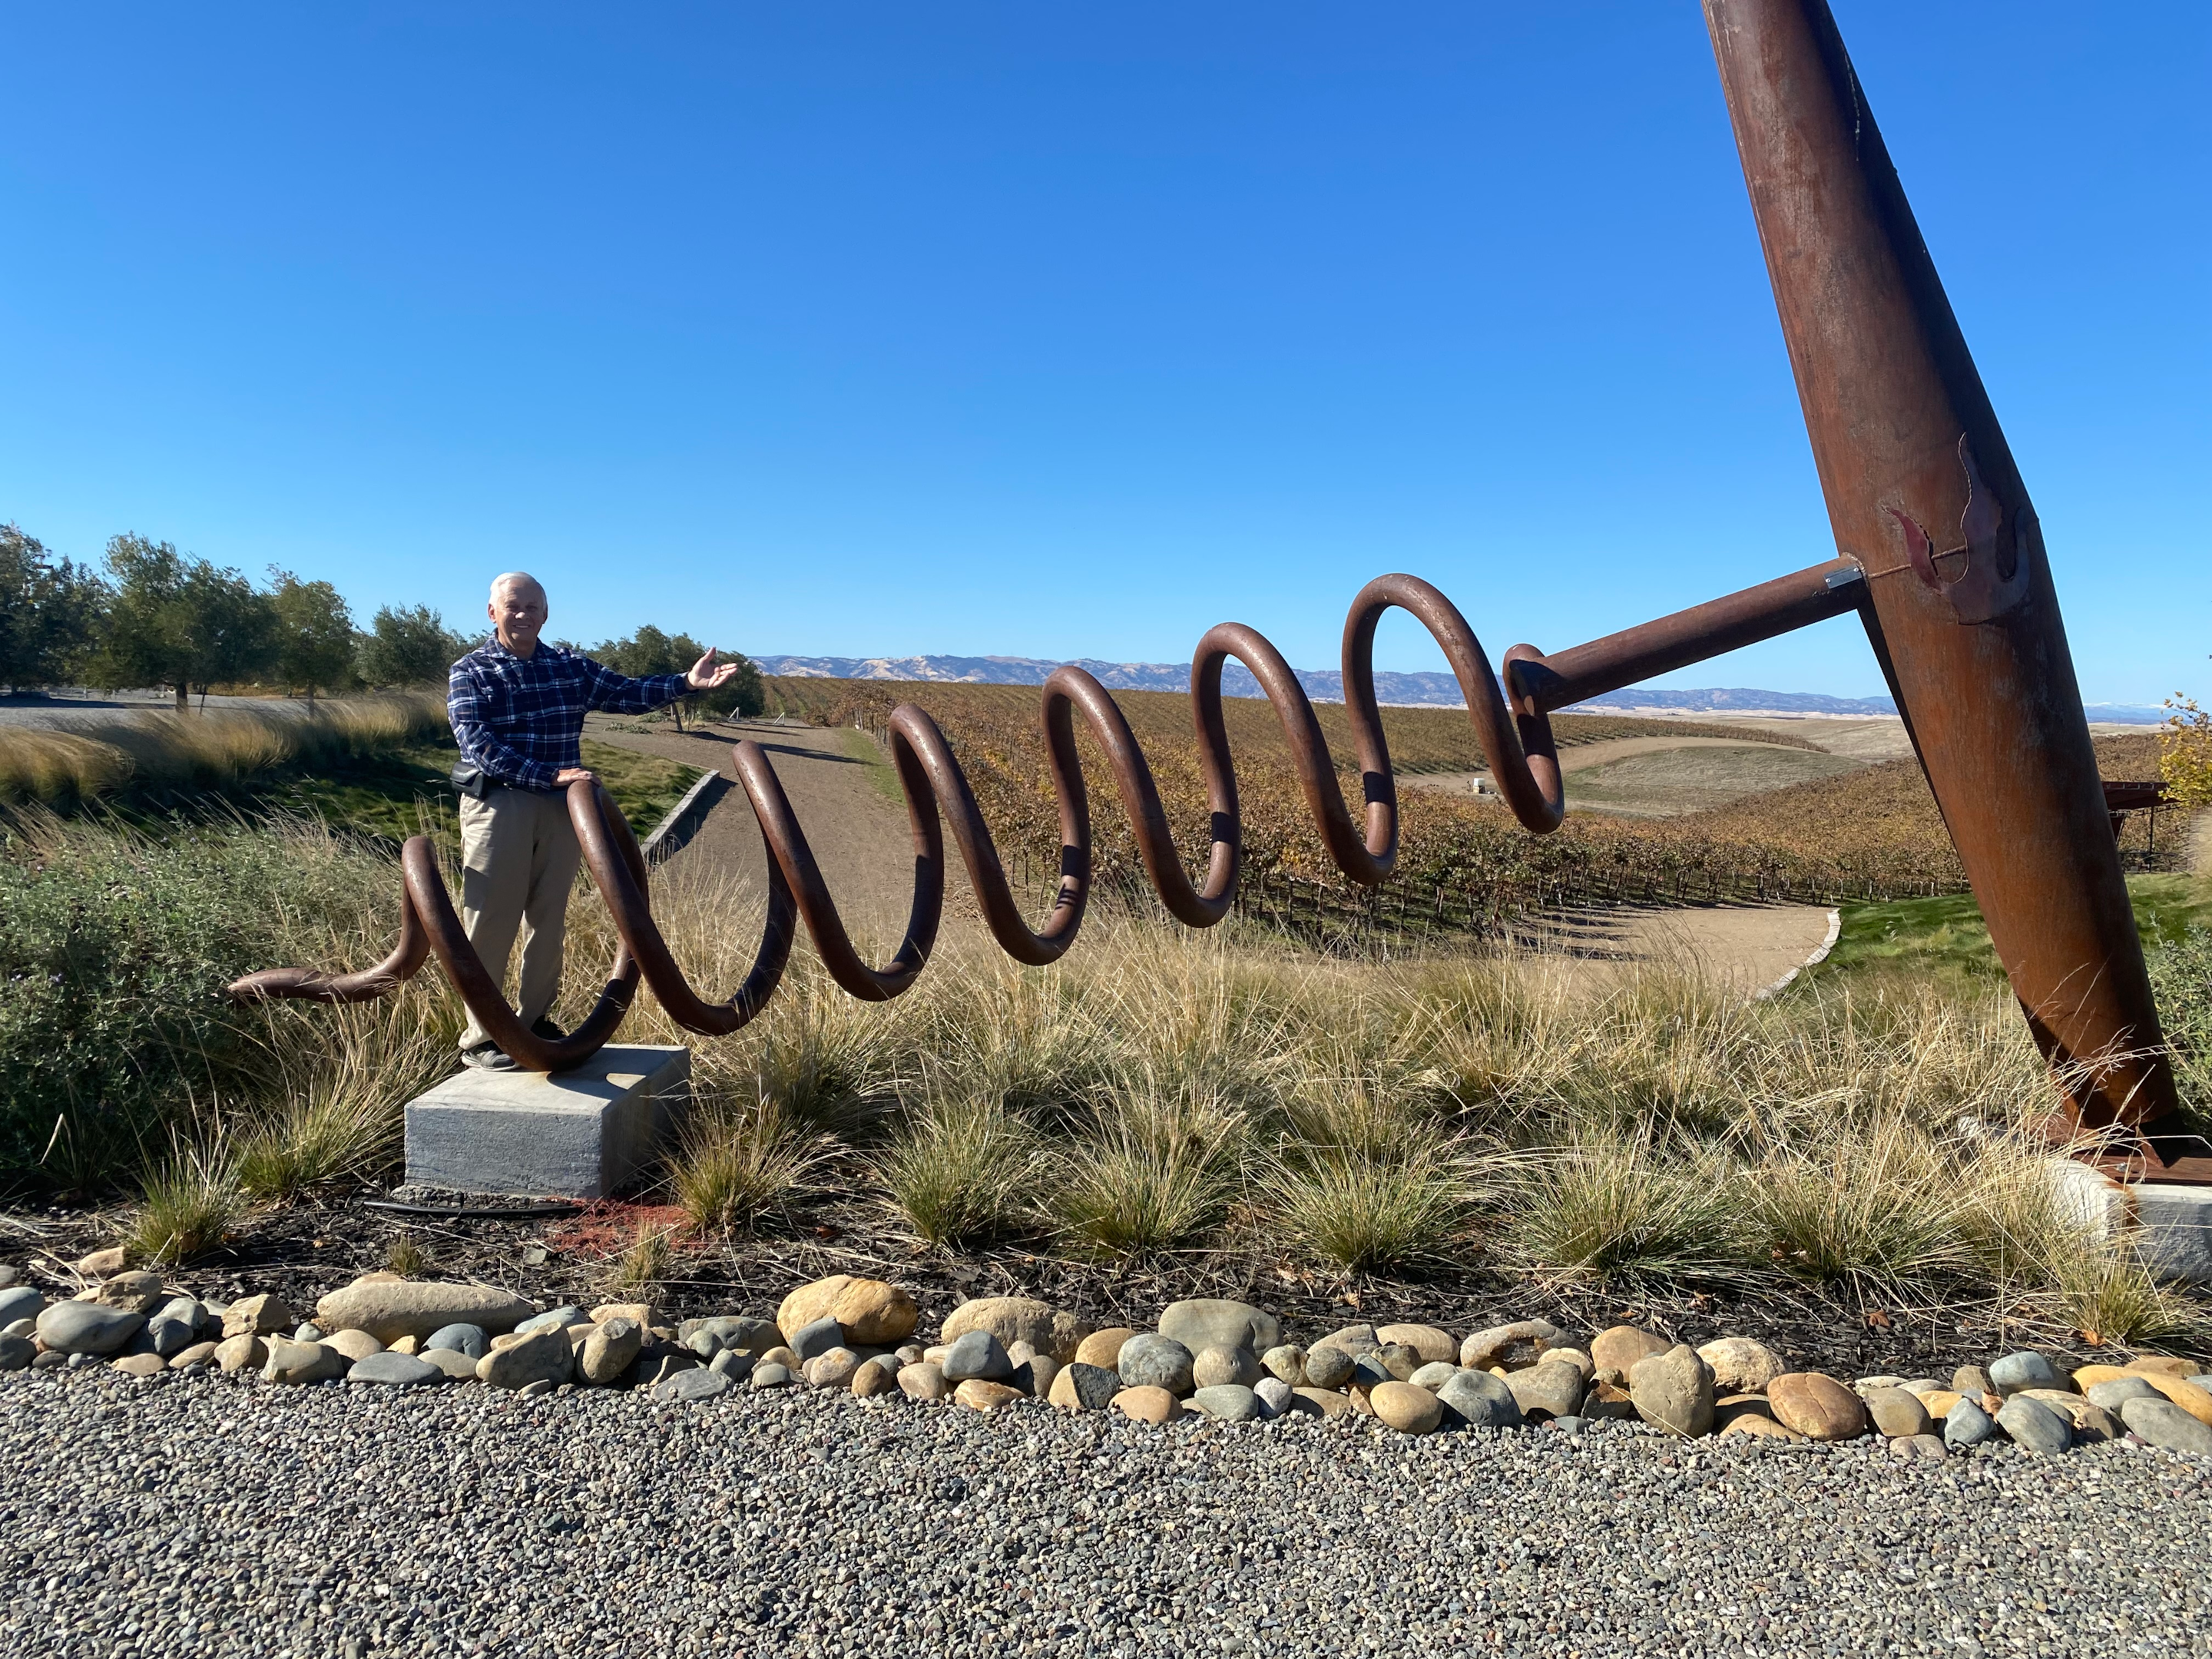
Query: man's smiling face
{"type": "Point", "coordinates": [518, 610]}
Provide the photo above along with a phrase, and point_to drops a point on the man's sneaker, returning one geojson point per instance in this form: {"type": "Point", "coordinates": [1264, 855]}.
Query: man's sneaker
{"type": "Point", "coordinates": [488, 1056]}
{"type": "Point", "coordinates": [547, 1030]}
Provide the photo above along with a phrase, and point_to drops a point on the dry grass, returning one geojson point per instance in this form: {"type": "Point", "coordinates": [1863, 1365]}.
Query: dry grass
{"type": "Point", "coordinates": [643, 1265]}
{"type": "Point", "coordinates": [1162, 1091]}
{"type": "Point", "coordinates": [92, 761]}
{"type": "Point", "coordinates": [188, 1205]}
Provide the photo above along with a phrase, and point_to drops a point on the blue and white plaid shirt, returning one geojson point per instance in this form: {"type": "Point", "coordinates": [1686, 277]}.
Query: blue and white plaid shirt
{"type": "Point", "coordinates": [518, 718]}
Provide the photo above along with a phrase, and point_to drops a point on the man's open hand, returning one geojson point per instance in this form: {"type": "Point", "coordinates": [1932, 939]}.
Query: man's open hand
{"type": "Point", "coordinates": [569, 774]}
{"type": "Point", "coordinates": [705, 677]}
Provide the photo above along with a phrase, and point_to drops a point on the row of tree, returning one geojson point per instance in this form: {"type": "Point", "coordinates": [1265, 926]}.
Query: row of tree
{"type": "Point", "coordinates": [160, 617]}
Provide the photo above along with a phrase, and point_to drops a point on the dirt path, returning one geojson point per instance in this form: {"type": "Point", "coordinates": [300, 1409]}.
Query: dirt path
{"type": "Point", "coordinates": [1750, 947]}
{"type": "Point", "coordinates": [1664, 776]}
{"type": "Point", "coordinates": [835, 781]}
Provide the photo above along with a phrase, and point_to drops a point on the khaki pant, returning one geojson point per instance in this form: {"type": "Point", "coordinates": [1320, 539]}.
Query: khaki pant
{"type": "Point", "coordinates": [518, 858]}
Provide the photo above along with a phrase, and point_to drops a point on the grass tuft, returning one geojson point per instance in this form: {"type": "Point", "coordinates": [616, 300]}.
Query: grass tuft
{"type": "Point", "coordinates": [960, 1170]}
{"type": "Point", "coordinates": [730, 1169]}
{"type": "Point", "coordinates": [643, 1265]}
{"type": "Point", "coordinates": [187, 1206]}
{"type": "Point", "coordinates": [1609, 1202]}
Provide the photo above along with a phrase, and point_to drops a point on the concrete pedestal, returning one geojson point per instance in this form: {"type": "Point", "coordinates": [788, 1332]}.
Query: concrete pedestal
{"type": "Point", "coordinates": [585, 1133]}
{"type": "Point", "coordinates": [2169, 1226]}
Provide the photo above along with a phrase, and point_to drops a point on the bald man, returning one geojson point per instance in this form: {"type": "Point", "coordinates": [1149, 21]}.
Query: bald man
{"type": "Point", "coordinates": [518, 707]}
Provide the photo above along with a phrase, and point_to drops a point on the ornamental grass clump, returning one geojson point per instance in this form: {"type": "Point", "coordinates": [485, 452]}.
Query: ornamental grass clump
{"type": "Point", "coordinates": [1611, 1203]}
{"type": "Point", "coordinates": [960, 1169]}
{"type": "Point", "coordinates": [188, 1204]}
{"type": "Point", "coordinates": [732, 1167]}
{"type": "Point", "coordinates": [1155, 1169]}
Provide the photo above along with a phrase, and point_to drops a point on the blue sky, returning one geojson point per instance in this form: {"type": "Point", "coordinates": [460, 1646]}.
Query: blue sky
{"type": "Point", "coordinates": [1066, 331]}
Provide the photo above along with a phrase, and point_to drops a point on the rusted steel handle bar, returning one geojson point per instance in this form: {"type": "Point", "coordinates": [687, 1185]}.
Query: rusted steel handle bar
{"type": "Point", "coordinates": [1542, 683]}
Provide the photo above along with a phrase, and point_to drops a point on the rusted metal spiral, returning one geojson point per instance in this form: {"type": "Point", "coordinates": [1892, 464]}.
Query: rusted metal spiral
{"type": "Point", "coordinates": [1518, 744]}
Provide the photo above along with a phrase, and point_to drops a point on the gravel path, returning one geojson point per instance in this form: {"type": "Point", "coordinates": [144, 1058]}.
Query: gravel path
{"type": "Point", "coordinates": [214, 1517]}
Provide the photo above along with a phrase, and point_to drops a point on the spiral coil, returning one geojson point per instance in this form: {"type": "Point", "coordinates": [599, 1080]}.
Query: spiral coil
{"type": "Point", "coordinates": [1516, 741]}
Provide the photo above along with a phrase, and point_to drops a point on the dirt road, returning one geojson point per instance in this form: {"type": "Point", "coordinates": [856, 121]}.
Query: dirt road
{"type": "Point", "coordinates": [837, 782]}
{"type": "Point", "coordinates": [1749, 947]}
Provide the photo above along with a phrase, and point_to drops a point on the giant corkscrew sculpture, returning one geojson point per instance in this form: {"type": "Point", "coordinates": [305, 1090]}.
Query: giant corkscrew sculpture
{"type": "Point", "coordinates": [1939, 553]}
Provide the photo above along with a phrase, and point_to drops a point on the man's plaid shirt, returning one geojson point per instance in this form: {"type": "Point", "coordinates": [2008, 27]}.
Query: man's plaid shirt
{"type": "Point", "coordinates": [518, 718]}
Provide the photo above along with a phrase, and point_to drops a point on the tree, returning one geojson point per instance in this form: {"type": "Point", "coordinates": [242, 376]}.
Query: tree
{"type": "Point", "coordinates": [315, 637]}
{"type": "Point", "coordinates": [408, 646]}
{"type": "Point", "coordinates": [2184, 760]}
{"type": "Point", "coordinates": [181, 622]}
{"type": "Point", "coordinates": [50, 612]}
{"type": "Point", "coordinates": [650, 651]}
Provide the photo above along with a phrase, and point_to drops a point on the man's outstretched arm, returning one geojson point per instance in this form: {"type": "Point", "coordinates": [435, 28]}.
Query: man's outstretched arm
{"type": "Point", "coordinates": [618, 694]}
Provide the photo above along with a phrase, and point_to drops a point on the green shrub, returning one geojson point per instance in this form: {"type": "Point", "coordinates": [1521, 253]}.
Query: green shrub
{"type": "Point", "coordinates": [115, 950]}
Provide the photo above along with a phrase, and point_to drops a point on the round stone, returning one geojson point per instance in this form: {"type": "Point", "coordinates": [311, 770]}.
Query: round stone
{"type": "Point", "coordinates": [1741, 1365]}
{"type": "Point", "coordinates": [1147, 1404]}
{"type": "Point", "coordinates": [395, 1369]}
{"type": "Point", "coordinates": [1219, 1367]}
{"type": "Point", "coordinates": [1614, 1352]}
{"type": "Point", "coordinates": [1431, 1344]}
{"type": "Point", "coordinates": [1967, 1424]}
{"type": "Point", "coordinates": [1153, 1361]}
{"type": "Point", "coordinates": [1326, 1368]}
{"type": "Point", "coordinates": [471, 1340]}
{"type": "Point", "coordinates": [2162, 1423]}
{"type": "Point", "coordinates": [1510, 1346]}
{"type": "Point", "coordinates": [1216, 1323]}
{"type": "Point", "coordinates": [90, 1328]}
{"type": "Point", "coordinates": [1287, 1361]}
{"type": "Point", "coordinates": [1408, 1409]}
{"type": "Point", "coordinates": [979, 1395]}
{"type": "Point", "coordinates": [977, 1356]}
{"type": "Point", "coordinates": [1103, 1349]}
{"type": "Point", "coordinates": [1014, 1319]}
{"type": "Point", "coordinates": [922, 1381]}
{"type": "Point", "coordinates": [1816, 1406]}
{"type": "Point", "coordinates": [1895, 1412]}
{"type": "Point", "coordinates": [1226, 1402]}
{"type": "Point", "coordinates": [1673, 1390]}
{"type": "Point", "coordinates": [1434, 1375]}
{"type": "Point", "coordinates": [1480, 1400]}
{"type": "Point", "coordinates": [2017, 1372]}
{"type": "Point", "coordinates": [1273, 1394]}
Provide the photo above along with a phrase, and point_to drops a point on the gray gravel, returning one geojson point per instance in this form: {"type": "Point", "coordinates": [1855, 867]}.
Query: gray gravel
{"type": "Point", "coordinates": [213, 1517]}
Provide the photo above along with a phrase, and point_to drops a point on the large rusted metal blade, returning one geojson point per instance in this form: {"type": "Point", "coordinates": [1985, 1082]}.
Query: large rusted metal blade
{"type": "Point", "coordinates": [1922, 492]}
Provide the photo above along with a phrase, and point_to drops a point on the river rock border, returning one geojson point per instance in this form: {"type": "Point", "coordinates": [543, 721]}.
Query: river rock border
{"type": "Point", "coordinates": [1207, 1358]}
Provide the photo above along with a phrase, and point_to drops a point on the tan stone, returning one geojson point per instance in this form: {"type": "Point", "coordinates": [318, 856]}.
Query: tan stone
{"type": "Point", "coordinates": [2089, 1376]}
{"type": "Point", "coordinates": [923, 1381]}
{"type": "Point", "coordinates": [1324, 1402]}
{"type": "Point", "coordinates": [871, 1312]}
{"type": "Point", "coordinates": [1895, 1412]}
{"type": "Point", "coordinates": [199, 1353]}
{"type": "Point", "coordinates": [1607, 1403]}
{"type": "Point", "coordinates": [301, 1362]}
{"type": "Point", "coordinates": [873, 1378]}
{"type": "Point", "coordinates": [101, 1264]}
{"type": "Point", "coordinates": [257, 1315]}
{"type": "Point", "coordinates": [454, 1363]}
{"type": "Point", "coordinates": [833, 1369]}
{"type": "Point", "coordinates": [2187, 1395]}
{"type": "Point", "coordinates": [1751, 1427]}
{"type": "Point", "coordinates": [638, 1313]}
{"type": "Point", "coordinates": [1014, 1319]}
{"type": "Point", "coordinates": [1937, 1403]}
{"type": "Point", "coordinates": [1575, 1357]}
{"type": "Point", "coordinates": [354, 1345]}
{"type": "Point", "coordinates": [1103, 1348]}
{"type": "Point", "coordinates": [1741, 1365]}
{"type": "Point", "coordinates": [133, 1293]}
{"type": "Point", "coordinates": [1406, 1407]}
{"type": "Point", "coordinates": [782, 1356]}
{"type": "Point", "coordinates": [579, 1335]}
{"type": "Point", "coordinates": [1432, 1344]}
{"type": "Point", "coordinates": [2163, 1364]}
{"type": "Point", "coordinates": [1516, 1344]}
{"type": "Point", "coordinates": [139, 1365]}
{"type": "Point", "coordinates": [410, 1346]}
{"type": "Point", "coordinates": [1729, 1407]}
{"type": "Point", "coordinates": [610, 1350]}
{"type": "Point", "coordinates": [1146, 1405]}
{"type": "Point", "coordinates": [391, 1308]}
{"type": "Point", "coordinates": [1816, 1406]}
{"type": "Point", "coordinates": [980, 1396]}
{"type": "Point", "coordinates": [540, 1357]}
{"type": "Point", "coordinates": [1674, 1390]}
{"type": "Point", "coordinates": [1615, 1351]}
{"type": "Point", "coordinates": [243, 1352]}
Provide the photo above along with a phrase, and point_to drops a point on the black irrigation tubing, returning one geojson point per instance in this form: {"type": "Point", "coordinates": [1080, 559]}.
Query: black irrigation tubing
{"type": "Point", "coordinates": [459, 1213]}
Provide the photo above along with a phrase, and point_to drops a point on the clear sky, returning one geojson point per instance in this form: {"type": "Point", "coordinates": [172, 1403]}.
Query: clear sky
{"type": "Point", "coordinates": [1065, 329]}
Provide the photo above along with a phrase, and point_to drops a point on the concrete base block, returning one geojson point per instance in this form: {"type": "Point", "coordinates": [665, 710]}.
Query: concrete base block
{"type": "Point", "coordinates": [584, 1134]}
{"type": "Point", "coordinates": [2170, 1227]}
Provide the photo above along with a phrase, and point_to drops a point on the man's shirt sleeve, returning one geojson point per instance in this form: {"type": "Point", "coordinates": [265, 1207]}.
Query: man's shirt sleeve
{"type": "Point", "coordinates": [618, 694]}
{"type": "Point", "coordinates": [480, 746]}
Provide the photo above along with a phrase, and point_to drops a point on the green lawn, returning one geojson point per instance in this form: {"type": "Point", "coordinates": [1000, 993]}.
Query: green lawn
{"type": "Point", "coordinates": [407, 792]}
{"type": "Point", "coordinates": [1946, 937]}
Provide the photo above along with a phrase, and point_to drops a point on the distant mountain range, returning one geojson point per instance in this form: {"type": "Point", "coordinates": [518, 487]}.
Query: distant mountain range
{"type": "Point", "coordinates": [1327, 685]}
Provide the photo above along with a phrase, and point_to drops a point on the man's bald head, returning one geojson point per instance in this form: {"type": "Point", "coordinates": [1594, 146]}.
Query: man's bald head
{"type": "Point", "coordinates": [518, 610]}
